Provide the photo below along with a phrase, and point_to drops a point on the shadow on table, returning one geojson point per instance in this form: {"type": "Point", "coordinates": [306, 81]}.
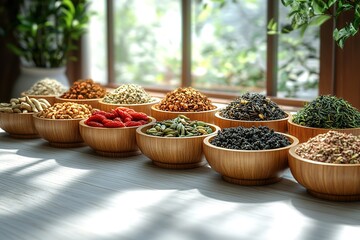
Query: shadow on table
{"type": "Point", "coordinates": [218, 188]}
{"type": "Point", "coordinates": [327, 211]}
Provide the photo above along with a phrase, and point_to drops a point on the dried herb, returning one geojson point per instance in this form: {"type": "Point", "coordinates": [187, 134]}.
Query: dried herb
{"type": "Point", "coordinates": [84, 89]}
{"type": "Point", "coordinates": [254, 138]}
{"type": "Point", "coordinates": [328, 112]}
{"type": "Point", "coordinates": [181, 126]}
{"type": "Point", "coordinates": [332, 147]}
{"type": "Point", "coordinates": [128, 94]}
{"type": "Point", "coordinates": [253, 107]}
{"type": "Point", "coordinates": [185, 100]}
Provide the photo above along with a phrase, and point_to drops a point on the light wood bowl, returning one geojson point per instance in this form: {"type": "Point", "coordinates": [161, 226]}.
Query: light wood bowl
{"type": "Point", "coordinates": [112, 142]}
{"type": "Point", "coordinates": [305, 133]}
{"type": "Point", "coordinates": [144, 107]}
{"type": "Point", "coordinates": [336, 182]}
{"type": "Point", "coordinates": [49, 98]}
{"type": "Point", "coordinates": [248, 167]}
{"type": "Point", "coordinates": [279, 125]}
{"type": "Point", "coordinates": [172, 152]}
{"type": "Point", "coordinates": [18, 125]}
{"type": "Point", "coordinates": [93, 102]}
{"type": "Point", "coordinates": [59, 132]}
{"type": "Point", "coordinates": [205, 116]}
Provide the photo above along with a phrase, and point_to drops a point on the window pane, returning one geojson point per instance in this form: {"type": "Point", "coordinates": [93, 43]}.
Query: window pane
{"type": "Point", "coordinates": [96, 55]}
{"type": "Point", "coordinates": [298, 61]}
{"type": "Point", "coordinates": [229, 46]}
{"type": "Point", "coordinates": [148, 42]}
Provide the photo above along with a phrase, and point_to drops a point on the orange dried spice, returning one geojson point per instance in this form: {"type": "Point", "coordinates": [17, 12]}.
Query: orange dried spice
{"type": "Point", "coordinates": [85, 89]}
{"type": "Point", "coordinates": [185, 100]}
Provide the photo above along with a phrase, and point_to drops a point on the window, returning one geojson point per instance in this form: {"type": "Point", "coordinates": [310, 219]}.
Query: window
{"type": "Point", "coordinates": [222, 50]}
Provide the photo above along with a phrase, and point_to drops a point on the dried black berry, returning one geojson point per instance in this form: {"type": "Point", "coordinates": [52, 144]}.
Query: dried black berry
{"type": "Point", "coordinates": [254, 138]}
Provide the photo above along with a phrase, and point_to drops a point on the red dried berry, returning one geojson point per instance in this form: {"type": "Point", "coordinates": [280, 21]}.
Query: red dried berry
{"type": "Point", "coordinates": [94, 124]}
{"type": "Point", "coordinates": [96, 118]}
{"type": "Point", "coordinates": [114, 124]}
{"type": "Point", "coordinates": [118, 119]}
{"type": "Point", "coordinates": [123, 115]}
{"type": "Point", "coordinates": [132, 124]}
{"type": "Point", "coordinates": [138, 115]}
{"type": "Point", "coordinates": [98, 112]}
{"type": "Point", "coordinates": [114, 112]}
{"type": "Point", "coordinates": [125, 109]}
{"type": "Point", "coordinates": [110, 115]}
{"type": "Point", "coordinates": [143, 122]}
{"type": "Point", "coordinates": [106, 121]}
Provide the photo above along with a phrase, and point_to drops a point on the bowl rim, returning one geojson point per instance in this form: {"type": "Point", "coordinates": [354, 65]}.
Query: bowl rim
{"type": "Point", "coordinates": [28, 113]}
{"type": "Point", "coordinates": [156, 100]}
{"type": "Point", "coordinates": [82, 124]}
{"type": "Point", "coordinates": [325, 129]}
{"type": "Point", "coordinates": [75, 100]}
{"type": "Point", "coordinates": [298, 158]}
{"type": "Point", "coordinates": [140, 132]}
{"type": "Point", "coordinates": [153, 107]}
{"type": "Point", "coordinates": [293, 144]}
{"type": "Point", "coordinates": [52, 119]}
{"type": "Point", "coordinates": [217, 115]}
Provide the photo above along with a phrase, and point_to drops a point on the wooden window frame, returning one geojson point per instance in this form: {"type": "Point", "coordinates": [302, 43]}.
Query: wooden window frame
{"type": "Point", "coordinates": [326, 78]}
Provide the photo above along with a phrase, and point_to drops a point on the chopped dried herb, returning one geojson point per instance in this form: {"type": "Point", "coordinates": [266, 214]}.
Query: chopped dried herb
{"type": "Point", "coordinates": [328, 112]}
{"type": "Point", "coordinates": [254, 138]}
{"type": "Point", "coordinates": [331, 147]}
{"type": "Point", "coordinates": [253, 107]}
{"type": "Point", "coordinates": [185, 99]}
{"type": "Point", "coordinates": [128, 94]}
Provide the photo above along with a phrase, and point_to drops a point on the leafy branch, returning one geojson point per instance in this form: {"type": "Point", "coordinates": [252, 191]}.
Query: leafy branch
{"type": "Point", "coordinates": [305, 13]}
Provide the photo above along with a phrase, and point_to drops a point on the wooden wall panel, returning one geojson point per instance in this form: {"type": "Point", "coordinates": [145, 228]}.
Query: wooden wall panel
{"type": "Point", "coordinates": [347, 68]}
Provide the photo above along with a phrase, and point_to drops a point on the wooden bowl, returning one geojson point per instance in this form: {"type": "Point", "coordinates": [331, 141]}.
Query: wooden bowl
{"type": "Point", "coordinates": [305, 133]}
{"type": "Point", "coordinates": [144, 107]}
{"type": "Point", "coordinates": [279, 125]}
{"type": "Point", "coordinates": [93, 102]}
{"type": "Point", "coordinates": [248, 167]}
{"type": "Point", "coordinates": [111, 142]}
{"type": "Point", "coordinates": [18, 125]}
{"type": "Point", "coordinates": [172, 152]}
{"type": "Point", "coordinates": [336, 182]}
{"type": "Point", "coordinates": [205, 116]}
{"type": "Point", "coordinates": [59, 132]}
{"type": "Point", "coordinates": [49, 98]}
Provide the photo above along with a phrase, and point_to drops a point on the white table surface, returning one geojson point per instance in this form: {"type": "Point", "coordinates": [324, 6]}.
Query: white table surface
{"type": "Point", "coordinates": [53, 193]}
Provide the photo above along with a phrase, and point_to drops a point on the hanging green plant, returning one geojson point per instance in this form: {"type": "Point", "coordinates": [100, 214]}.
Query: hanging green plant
{"type": "Point", "coordinates": [305, 13]}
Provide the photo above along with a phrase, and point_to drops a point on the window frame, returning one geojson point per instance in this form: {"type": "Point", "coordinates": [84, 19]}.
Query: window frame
{"type": "Point", "coordinates": [327, 48]}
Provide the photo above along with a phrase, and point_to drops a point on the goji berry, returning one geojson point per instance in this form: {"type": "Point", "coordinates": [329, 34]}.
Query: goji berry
{"type": "Point", "coordinates": [123, 115]}
{"type": "Point", "coordinates": [98, 112]}
{"type": "Point", "coordinates": [127, 119]}
{"type": "Point", "coordinates": [132, 124]}
{"type": "Point", "coordinates": [104, 121]}
{"type": "Point", "coordinates": [118, 119]}
{"type": "Point", "coordinates": [143, 122]}
{"type": "Point", "coordinates": [114, 124]}
{"type": "Point", "coordinates": [138, 115]}
{"type": "Point", "coordinates": [114, 112]}
{"type": "Point", "coordinates": [96, 118]}
{"type": "Point", "coordinates": [125, 109]}
{"type": "Point", "coordinates": [94, 124]}
{"type": "Point", "coordinates": [110, 115]}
